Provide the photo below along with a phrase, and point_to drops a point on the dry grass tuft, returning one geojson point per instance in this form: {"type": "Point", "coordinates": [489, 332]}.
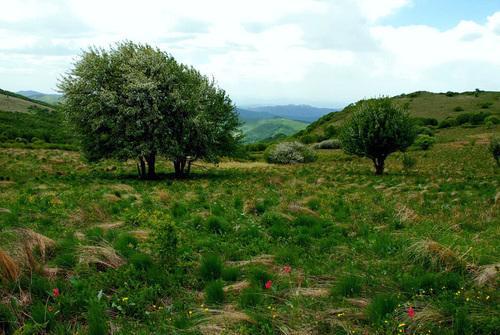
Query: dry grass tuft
{"type": "Point", "coordinates": [262, 260]}
{"type": "Point", "coordinates": [298, 209]}
{"type": "Point", "coordinates": [487, 275]}
{"type": "Point", "coordinates": [141, 235]}
{"type": "Point", "coordinates": [435, 256]}
{"type": "Point", "coordinates": [112, 225]}
{"type": "Point", "coordinates": [405, 214]}
{"type": "Point", "coordinates": [237, 287]}
{"type": "Point", "coordinates": [103, 257]}
{"type": "Point", "coordinates": [33, 242]}
{"type": "Point", "coordinates": [314, 292]}
{"type": "Point", "coordinates": [9, 269]}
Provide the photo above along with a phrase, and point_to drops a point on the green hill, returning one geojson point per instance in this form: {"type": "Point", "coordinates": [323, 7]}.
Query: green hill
{"type": "Point", "coordinates": [48, 98]}
{"type": "Point", "coordinates": [259, 130]}
{"type": "Point", "coordinates": [438, 106]}
{"type": "Point", "coordinates": [25, 121]}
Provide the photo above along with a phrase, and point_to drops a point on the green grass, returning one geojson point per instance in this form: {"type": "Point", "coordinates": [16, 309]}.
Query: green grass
{"type": "Point", "coordinates": [361, 248]}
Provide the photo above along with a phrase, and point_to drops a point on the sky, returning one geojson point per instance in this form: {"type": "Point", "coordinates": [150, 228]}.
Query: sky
{"type": "Point", "coordinates": [319, 52]}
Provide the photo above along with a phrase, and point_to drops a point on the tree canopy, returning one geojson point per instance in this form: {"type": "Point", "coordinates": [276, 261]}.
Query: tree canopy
{"type": "Point", "coordinates": [133, 101]}
{"type": "Point", "coordinates": [377, 128]}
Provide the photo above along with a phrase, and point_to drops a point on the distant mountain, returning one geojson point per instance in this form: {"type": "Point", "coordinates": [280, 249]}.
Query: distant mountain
{"type": "Point", "coordinates": [248, 115]}
{"type": "Point", "coordinates": [293, 112]}
{"type": "Point", "coordinates": [49, 98]}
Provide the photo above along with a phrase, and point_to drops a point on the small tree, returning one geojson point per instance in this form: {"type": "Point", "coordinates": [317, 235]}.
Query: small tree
{"type": "Point", "coordinates": [377, 128]}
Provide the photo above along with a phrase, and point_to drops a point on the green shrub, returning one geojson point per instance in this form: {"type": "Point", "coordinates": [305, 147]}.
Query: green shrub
{"type": "Point", "coordinates": [424, 142]}
{"type": "Point", "coordinates": [425, 131]}
{"type": "Point", "coordinates": [331, 131]}
{"type": "Point", "coordinates": [348, 286]}
{"type": "Point", "coordinates": [96, 318]}
{"type": "Point", "coordinates": [495, 149]}
{"type": "Point", "coordinates": [230, 274]}
{"type": "Point", "coordinates": [214, 292]}
{"type": "Point", "coordinates": [308, 139]}
{"type": "Point", "coordinates": [380, 306]}
{"type": "Point", "coordinates": [289, 153]}
{"type": "Point", "coordinates": [458, 109]}
{"type": "Point", "coordinates": [217, 224]}
{"type": "Point", "coordinates": [211, 267]}
{"type": "Point", "coordinates": [486, 105]}
{"type": "Point", "coordinates": [493, 119]}
{"type": "Point", "coordinates": [447, 123]}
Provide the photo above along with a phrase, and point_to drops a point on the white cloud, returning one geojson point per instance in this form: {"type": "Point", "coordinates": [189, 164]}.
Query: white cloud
{"type": "Point", "coordinates": [321, 51]}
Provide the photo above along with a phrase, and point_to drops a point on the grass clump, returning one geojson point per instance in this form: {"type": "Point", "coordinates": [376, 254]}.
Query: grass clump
{"type": "Point", "coordinates": [424, 142]}
{"type": "Point", "coordinates": [214, 292]}
{"type": "Point", "coordinates": [211, 267]}
{"type": "Point", "coordinates": [380, 307]}
{"type": "Point", "coordinates": [230, 274]}
{"type": "Point", "coordinates": [434, 256]}
{"type": "Point", "coordinates": [96, 318]}
{"type": "Point", "coordinates": [250, 297]}
{"type": "Point", "coordinates": [348, 286]}
{"type": "Point", "coordinates": [217, 224]}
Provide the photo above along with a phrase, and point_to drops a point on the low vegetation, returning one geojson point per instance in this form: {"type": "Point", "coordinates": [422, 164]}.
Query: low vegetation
{"type": "Point", "coordinates": [253, 248]}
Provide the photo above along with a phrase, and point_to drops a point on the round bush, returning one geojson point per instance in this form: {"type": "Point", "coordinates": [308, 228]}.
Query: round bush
{"type": "Point", "coordinates": [289, 153]}
{"type": "Point", "coordinates": [493, 119]}
{"type": "Point", "coordinates": [424, 142]}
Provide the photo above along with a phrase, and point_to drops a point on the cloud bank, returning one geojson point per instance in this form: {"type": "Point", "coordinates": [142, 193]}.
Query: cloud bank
{"type": "Point", "coordinates": [280, 51]}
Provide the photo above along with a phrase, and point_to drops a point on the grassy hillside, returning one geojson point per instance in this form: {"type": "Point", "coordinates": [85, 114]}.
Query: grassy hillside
{"type": "Point", "coordinates": [252, 248]}
{"type": "Point", "coordinates": [439, 106]}
{"type": "Point", "coordinates": [259, 130]}
{"type": "Point", "coordinates": [24, 121]}
{"type": "Point", "coordinates": [13, 102]}
{"type": "Point", "coordinates": [48, 98]}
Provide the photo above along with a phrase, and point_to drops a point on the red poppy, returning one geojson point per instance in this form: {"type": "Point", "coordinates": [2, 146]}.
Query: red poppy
{"type": "Point", "coordinates": [268, 284]}
{"type": "Point", "coordinates": [287, 269]}
{"type": "Point", "coordinates": [55, 292]}
{"type": "Point", "coordinates": [411, 312]}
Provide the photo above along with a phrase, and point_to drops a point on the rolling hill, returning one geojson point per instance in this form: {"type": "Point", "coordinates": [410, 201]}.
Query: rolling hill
{"type": "Point", "coordinates": [264, 129]}
{"type": "Point", "coordinates": [439, 106]}
{"type": "Point", "coordinates": [48, 98]}
{"type": "Point", "coordinates": [25, 120]}
{"type": "Point", "coordinates": [271, 122]}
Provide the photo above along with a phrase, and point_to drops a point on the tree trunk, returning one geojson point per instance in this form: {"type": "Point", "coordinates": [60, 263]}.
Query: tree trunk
{"type": "Point", "coordinates": [179, 167]}
{"type": "Point", "coordinates": [379, 165]}
{"type": "Point", "coordinates": [141, 168]}
{"type": "Point", "coordinates": [151, 160]}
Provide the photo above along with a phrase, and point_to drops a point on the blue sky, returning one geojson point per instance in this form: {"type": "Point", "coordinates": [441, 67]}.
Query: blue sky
{"type": "Point", "coordinates": [320, 52]}
{"type": "Point", "coordinates": [443, 14]}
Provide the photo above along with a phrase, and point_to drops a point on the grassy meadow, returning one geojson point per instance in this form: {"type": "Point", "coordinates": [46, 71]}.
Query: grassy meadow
{"type": "Point", "coordinates": [253, 248]}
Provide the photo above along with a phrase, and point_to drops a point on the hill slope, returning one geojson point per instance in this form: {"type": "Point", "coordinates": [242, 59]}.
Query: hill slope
{"type": "Point", "coordinates": [13, 102]}
{"type": "Point", "coordinates": [439, 106]}
{"type": "Point", "coordinates": [24, 120]}
{"type": "Point", "coordinates": [48, 98]}
{"type": "Point", "coordinates": [259, 130]}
